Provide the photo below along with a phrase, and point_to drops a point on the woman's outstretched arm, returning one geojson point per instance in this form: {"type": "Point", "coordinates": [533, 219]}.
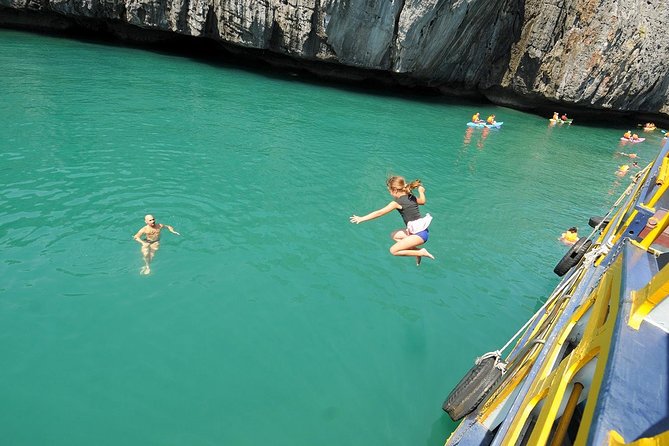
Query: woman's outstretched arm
{"type": "Point", "coordinates": [375, 214]}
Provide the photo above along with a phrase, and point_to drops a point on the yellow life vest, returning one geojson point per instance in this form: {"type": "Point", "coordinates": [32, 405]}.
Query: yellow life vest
{"type": "Point", "coordinates": [570, 236]}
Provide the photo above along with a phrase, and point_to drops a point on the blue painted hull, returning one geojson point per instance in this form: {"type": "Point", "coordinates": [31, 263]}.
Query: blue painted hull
{"type": "Point", "coordinates": [617, 351]}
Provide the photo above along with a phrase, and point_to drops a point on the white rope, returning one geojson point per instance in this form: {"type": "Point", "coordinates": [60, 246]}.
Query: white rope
{"type": "Point", "coordinates": [561, 287]}
{"type": "Point", "coordinates": [495, 355]}
{"type": "Point", "coordinates": [589, 258]}
{"type": "Point", "coordinates": [592, 255]}
{"type": "Point", "coordinates": [622, 196]}
{"type": "Point", "coordinates": [499, 364]}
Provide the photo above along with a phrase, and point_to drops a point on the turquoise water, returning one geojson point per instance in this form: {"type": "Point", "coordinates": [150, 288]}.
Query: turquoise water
{"type": "Point", "coordinates": [272, 319]}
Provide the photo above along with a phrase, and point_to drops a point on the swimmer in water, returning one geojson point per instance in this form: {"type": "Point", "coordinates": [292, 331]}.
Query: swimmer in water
{"type": "Point", "coordinates": [151, 241]}
{"type": "Point", "coordinates": [570, 236]}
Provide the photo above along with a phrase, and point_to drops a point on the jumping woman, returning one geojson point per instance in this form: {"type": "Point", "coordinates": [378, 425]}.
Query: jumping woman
{"type": "Point", "coordinates": [416, 232]}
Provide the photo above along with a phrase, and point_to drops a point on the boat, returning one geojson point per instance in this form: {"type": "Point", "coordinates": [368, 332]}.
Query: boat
{"type": "Point", "coordinates": [591, 367]}
{"type": "Point", "coordinates": [561, 121]}
{"type": "Point", "coordinates": [622, 138]}
{"type": "Point", "coordinates": [481, 125]}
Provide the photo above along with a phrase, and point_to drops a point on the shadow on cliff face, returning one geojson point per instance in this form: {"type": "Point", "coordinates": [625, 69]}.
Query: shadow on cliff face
{"type": "Point", "coordinates": [333, 75]}
{"type": "Point", "coordinates": [217, 53]}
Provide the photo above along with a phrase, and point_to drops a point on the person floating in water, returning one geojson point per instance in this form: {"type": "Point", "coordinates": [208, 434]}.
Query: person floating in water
{"type": "Point", "coordinates": [629, 155]}
{"type": "Point", "coordinates": [416, 232]}
{"type": "Point", "coordinates": [151, 241]}
{"type": "Point", "coordinates": [570, 236]}
{"type": "Point", "coordinates": [622, 170]}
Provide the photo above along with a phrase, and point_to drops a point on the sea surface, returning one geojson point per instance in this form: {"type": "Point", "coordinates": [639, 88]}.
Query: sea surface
{"type": "Point", "coordinates": [271, 319]}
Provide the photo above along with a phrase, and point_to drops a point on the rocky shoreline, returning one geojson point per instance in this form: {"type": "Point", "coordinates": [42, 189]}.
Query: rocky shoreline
{"type": "Point", "coordinates": [374, 46]}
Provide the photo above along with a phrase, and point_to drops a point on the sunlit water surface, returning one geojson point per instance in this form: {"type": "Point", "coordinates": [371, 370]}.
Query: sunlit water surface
{"type": "Point", "coordinates": [272, 319]}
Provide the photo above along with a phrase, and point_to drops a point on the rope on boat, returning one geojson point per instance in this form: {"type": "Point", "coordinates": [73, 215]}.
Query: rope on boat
{"type": "Point", "coordinates": [499, 364]}
{"type": "Point", "coordinates": [589, 258]}
{"type": "Point", "coordinates": [620, 199]}
{"type": "Point", "coordinates": [561, 287]}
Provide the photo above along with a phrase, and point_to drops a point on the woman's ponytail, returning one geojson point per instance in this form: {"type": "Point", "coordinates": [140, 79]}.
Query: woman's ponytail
{"type": "Point", "coordinates": [411, 186]}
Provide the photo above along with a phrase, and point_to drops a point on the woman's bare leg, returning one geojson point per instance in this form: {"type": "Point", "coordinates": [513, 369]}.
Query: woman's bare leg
{"type": "Point", "coordinates": [407, 245]}
{"type": "Point", "coordinates": [399, 235]}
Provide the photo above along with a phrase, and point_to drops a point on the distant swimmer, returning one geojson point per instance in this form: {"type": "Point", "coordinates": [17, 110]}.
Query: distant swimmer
{"type": "Point", "coordinates": [629, 155]}
{"type": "Point", "coordinates": [570, 236]}
{"type": "Point", "coordinates": [622, 170]}
{"type": "Point", "coordinates": [416, 232]}
{"type": "Point", "coordinates": [151, 241]}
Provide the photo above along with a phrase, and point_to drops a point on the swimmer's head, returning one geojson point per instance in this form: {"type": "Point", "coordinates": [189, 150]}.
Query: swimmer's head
{"type": "Point", "coordinates": [573, 229]}
{"type": "Point", "coordinates": [149, 220]}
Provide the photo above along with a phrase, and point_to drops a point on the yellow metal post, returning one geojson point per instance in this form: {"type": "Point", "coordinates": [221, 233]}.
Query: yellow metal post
{"type": "Point", "coordinates": [561, 429]}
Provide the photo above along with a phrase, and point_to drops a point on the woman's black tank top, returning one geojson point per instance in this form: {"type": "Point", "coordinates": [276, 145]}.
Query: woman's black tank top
{"type": "Point", "coordinates": [409, 211]}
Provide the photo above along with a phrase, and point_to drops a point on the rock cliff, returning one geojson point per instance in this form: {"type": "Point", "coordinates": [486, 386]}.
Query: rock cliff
{"type": "Point", "coordinates": [596, 55]}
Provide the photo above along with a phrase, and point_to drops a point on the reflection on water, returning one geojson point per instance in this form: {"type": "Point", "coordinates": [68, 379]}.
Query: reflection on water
{"type": "Point", "coordinates": [480, 135]}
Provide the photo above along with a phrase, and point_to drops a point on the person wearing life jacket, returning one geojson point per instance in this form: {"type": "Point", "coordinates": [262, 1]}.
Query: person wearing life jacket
{"type": "Point", "coordinates": [491, 120]}
{"type": "Point", "coordinates": [476, 119]}
{"type": "Point", "coordinates": [627, 135]}
{"type": "Point", "coordinates": [564, 117]}
{"type": "Point", "coordinates": [635, 137]}
{"type": "Point", "coordinates": [555, 116]}
{"type": "Point", "coordinates": [570, 236]}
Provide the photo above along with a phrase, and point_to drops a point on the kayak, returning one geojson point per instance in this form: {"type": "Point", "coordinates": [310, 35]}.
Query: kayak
{"type": "Point", "coordinates": [480, 125]}
{"type": "Point", "coordinates": [622, 138]}
{"type": "Point", "coordinates": [560, 121]}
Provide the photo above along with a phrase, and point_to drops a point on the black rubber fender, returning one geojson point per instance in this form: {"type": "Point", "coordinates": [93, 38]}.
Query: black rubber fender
{"type": "Point", "coordinates": [472, 389]}
{"type": "Point", "coordinates": [594, 221]}
{"type": "Point", "coordinates": [573, 256]}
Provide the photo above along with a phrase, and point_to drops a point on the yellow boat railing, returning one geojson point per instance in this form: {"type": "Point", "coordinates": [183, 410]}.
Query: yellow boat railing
{"type": "Point", "coordinates": [557, 376]}
{"type": "Point", "coordinates": [648, 297]}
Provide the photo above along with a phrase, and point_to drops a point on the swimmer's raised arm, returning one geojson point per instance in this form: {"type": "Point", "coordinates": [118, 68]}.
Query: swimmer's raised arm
{"type": "Point", "coordinates": [421, 199]}
{"type": "Point", "coordinates": [171, 229]}
{"type": "Point", "coordinates": [375, 214]}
